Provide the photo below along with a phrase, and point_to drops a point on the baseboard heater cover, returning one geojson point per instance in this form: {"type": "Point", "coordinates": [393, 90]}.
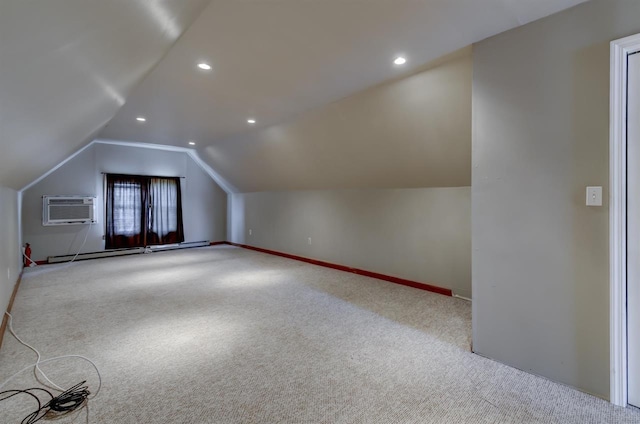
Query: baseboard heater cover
{"type": "Point", "coordinates": [175, 246]}
{"type": "Point", "coordinates": [125, 251]}
{"type": "Point", "coordinates": [95, 255]}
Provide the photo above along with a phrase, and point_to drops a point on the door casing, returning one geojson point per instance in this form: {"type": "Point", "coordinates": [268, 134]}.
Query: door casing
{"type": "Point", "coordinates": [620, 50]}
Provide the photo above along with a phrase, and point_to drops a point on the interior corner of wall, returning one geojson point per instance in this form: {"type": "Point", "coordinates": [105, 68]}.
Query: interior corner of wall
{"type": "Point", "coordinates": [223, 183]}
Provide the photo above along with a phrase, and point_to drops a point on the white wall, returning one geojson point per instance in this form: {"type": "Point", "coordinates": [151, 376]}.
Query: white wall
{"type": "Point", "coordinates": [417, 234]}
{"type": "Point", "coordinates": [540, 136]}
{"type": "Point", "coordinates": [10, 256]}
{"type": "Point", "coordinates": [204, 203]}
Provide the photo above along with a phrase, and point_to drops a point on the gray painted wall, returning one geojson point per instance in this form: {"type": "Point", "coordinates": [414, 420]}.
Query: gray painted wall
{"type": "Point", "coordinates": [540, 136]}
{"type": "Point", "coordinates": [204, 203]}
{"type": "Point", "coordinates": [418, 234]}
{"type": "Point", "coordinates": [10, 262]}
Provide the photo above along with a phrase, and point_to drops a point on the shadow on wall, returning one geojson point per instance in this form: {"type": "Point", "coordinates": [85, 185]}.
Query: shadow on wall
{"type": "Point", "coordinates": [421, 235]}
{"type": "Point", "coordinates": [589, 167]}
{"type": "Point", "coordinates": [237, 217]}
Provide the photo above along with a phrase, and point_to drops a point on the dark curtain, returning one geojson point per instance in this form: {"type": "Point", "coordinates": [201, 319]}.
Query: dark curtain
{"type": "Point", "coordinates": [126, 212]}
{"type": "Point", "coordinates": [165, 211]}
{"type": "Point", "coordinates": [143, 211]}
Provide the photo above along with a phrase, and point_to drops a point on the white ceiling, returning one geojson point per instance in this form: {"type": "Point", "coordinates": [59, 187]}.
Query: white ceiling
{"type": "Point", "coordinates": [66, 66]}
{"type": "Point", "coordinates": [408, 133]}
{"type": "Point", "coordinates": [273, 59]}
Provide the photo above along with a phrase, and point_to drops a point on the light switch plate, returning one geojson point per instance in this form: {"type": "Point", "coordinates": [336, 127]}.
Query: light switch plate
{"type": "Point", "coordinates": [594, 196]}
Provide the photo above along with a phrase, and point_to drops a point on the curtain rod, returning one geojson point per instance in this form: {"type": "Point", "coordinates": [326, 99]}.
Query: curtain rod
{"type": "Point", "coordinates": [134, 175]}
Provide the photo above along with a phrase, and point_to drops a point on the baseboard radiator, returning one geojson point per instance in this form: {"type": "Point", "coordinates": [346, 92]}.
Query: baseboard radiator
{"type": "Point", "coordinates": [126, 251]}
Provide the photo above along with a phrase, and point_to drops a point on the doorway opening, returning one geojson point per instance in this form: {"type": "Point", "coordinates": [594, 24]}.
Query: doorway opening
{"type": "Point", "coordinates": [620, 285]}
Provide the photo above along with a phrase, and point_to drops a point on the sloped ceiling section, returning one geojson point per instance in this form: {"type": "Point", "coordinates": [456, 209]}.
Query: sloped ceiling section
{"type": "Point", "coordinates": [412, 132]}
{"type": "Point", "coordinates": [275, 60]}
{"type": "Point", "coordinates": [67, 66]}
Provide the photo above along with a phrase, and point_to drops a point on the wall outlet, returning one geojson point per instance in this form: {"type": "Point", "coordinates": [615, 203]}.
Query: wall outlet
{"type": "Point", "coordinates": [9, 274]}
{"type": "Point", "coordinates": [309, 240]}
{"type": "Point", "coordinates": [250, 231]}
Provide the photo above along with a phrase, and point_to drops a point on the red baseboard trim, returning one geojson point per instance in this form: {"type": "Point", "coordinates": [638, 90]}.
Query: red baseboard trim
{"type": "Point", "coordinates": [217, 243]}
{"type": "Point", "coordinates": [396, 280]}
{"type": "Point", "coordinates": [5, 318]}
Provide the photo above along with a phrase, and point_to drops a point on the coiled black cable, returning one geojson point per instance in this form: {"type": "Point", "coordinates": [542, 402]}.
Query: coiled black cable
{"type": "Point", "coordinates": [68, 401]}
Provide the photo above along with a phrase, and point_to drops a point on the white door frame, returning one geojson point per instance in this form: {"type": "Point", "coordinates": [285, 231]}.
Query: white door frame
{"type": "Point", "coordinates": [620, 49]}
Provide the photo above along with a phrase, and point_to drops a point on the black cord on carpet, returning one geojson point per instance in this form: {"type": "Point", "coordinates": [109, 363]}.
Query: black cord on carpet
{"type": "Point", "coordinates": [66, 402]}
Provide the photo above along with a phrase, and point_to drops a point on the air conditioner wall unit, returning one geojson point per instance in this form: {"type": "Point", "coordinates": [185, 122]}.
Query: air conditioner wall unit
{"type": "Point", "coordinates": [68, 210]}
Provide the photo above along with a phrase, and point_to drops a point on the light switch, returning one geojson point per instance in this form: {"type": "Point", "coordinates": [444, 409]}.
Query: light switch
{"type": "Point", "coordinates": [594, 196]}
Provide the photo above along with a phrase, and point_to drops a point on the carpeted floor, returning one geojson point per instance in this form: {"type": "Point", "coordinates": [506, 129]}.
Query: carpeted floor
{"type": "Point", "coordinates": [226, 335]}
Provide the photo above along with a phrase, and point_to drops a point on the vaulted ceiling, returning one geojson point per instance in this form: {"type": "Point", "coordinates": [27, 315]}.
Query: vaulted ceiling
{"type": "Point", "coordinates": [67, 66]}
{"type": "Point", "coordinates": [72, 70]}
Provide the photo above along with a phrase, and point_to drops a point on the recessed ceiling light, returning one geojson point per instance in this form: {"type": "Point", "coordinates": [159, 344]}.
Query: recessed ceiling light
{"type": "Point", "coordinates": [400, 60]}
{"type": "Point", "coordinates": [141, 119]}
{"type": "Point", "coordinates": [192, 143]}
{"type": "Point", "coordinates": [251, 121]}
{"type": "Point", "coordinates": [204, 66]}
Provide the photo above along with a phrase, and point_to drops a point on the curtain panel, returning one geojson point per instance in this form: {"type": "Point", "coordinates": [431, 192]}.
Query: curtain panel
{"type": "Point", "coordinates": [165, 211]}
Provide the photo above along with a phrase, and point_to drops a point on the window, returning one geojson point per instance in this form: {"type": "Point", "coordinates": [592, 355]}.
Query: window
{"type": "Point", "coordinates": [143, 211]}
{"type": "Point", "coordinates": [127, 207]}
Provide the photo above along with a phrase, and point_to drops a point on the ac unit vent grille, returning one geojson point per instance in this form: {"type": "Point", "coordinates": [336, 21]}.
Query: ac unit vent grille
{"type": "Point", "coordinates": [81, 212]}
{"type": "Point", "coordinates": [67, 210]}
{"type": "Point", "coordinates": [75, 201]}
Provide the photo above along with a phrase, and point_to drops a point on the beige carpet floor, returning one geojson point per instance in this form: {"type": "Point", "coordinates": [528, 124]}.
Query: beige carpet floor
{"type": "Point", "coordinates": [226, 335]}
